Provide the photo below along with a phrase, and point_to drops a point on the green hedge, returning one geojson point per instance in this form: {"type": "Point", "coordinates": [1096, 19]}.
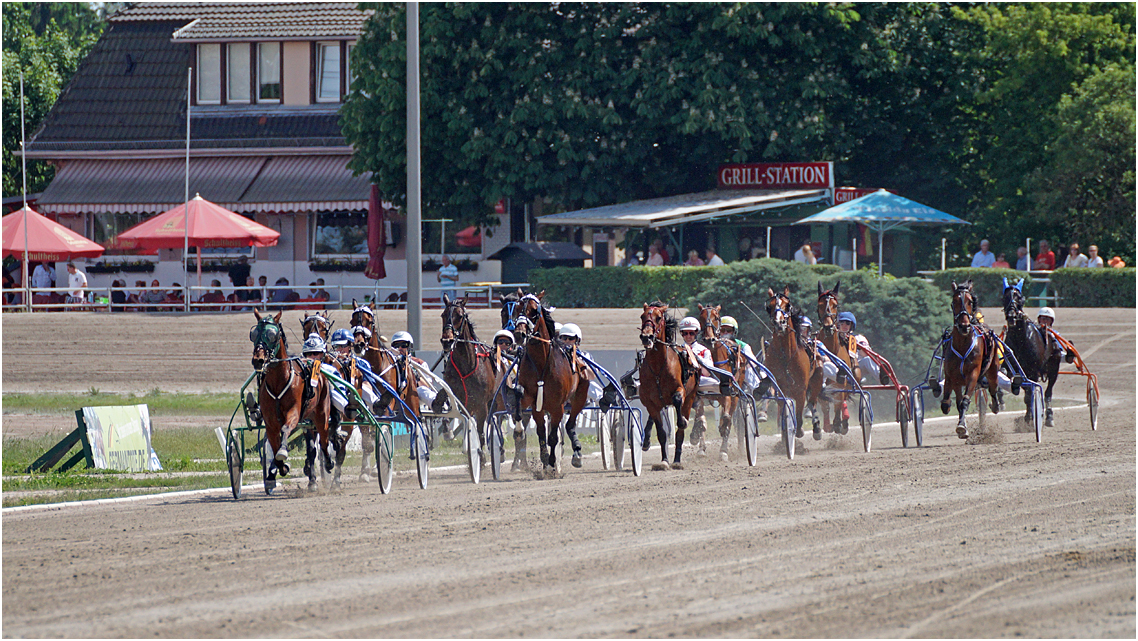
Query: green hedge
{"type": "Point", "coordinates": [987, 283]}
{"type": "Point", "coordinates": [1081, 287]}
{"type": "Point", "coordinates": [902, 318]}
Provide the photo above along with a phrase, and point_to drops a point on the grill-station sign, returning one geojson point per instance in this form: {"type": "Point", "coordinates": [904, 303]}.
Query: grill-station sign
{"type": "Point", "coordinates": [781, 175]}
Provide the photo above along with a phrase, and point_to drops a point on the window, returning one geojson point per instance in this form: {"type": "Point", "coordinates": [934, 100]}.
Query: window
{"type": "Point", "coordinates": [269, 72]}
{"type": "Point", "coordinates": [209, 74]}
{"type": "Point", "coordinates": [239, 70]}
{"type": "Point", "coordinates": [342, 233]}
{"type": "Point", "coordinates": [328, 72]}
{"type": "Point", "coordinates": [348, 67]}
{"type": "Point", "coordinates": [105, 227]}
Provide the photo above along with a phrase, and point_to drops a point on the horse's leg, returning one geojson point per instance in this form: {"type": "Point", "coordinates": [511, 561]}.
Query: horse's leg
{"type": "Point", "coordinates": [272, 442]}
{"type": "Point", "coordinates": [580, 398]}
{"type": "Point", "coordinates": [727, 407]}
{"type": "Point", "coordinates": [949, 385]}
{"type": "Point", "coordinates": [1052, 376]}
{"type": "Point", "coordinates": [698, 428]}
{"type": "Point", "coordinates": [310, 451]}
{"type": "Point", "coordinates": [814, 391]}
{"type": "Point", "coordinates": [684, 404]}
{"type": "Point", "coordinates": [964, 394]}
{"type": "Point", "coordinates": [553, 437]}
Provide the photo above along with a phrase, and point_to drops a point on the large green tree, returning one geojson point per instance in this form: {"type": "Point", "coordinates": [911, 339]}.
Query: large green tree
{"type": "Point", "coordinates": [46, 41]}
{"type": "Point", "coordinates": [599, 103]}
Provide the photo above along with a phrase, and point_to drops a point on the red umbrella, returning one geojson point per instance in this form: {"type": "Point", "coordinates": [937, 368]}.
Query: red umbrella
{"type": "Point", "coordinates": [210, 226]}
{"type": "Point", "coordinates": [47, 239]}
{"type": "Point", "coordinates": [469, 237]}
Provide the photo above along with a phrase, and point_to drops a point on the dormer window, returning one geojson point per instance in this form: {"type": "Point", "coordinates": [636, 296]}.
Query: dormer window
{"type": "Point", "coordinates": [328, 72]}
{"type": "Point", "coordinates": [209, 74]}
{"type": "Point", "coordinates": [239, 70]}
{"type": "Point", "coordinates": [268, 72]}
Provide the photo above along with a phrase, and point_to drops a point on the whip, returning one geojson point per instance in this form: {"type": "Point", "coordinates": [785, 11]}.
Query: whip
{"type": "Point", "coordinates": [757, 317]}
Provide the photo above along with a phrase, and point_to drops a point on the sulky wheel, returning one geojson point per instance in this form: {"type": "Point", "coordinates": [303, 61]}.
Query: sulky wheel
{"type": "Point", "coordinates": [472, 444]}
{"type": "Point", "coordinates": [234, 460]}
{"type": "Point", "coordinates": [865, 415]}
{"type": "Point", "coordinates": [421, 452]}
{"type": "Point", "coordinates": [635, 442]}
{"type": "Point", "coordinates": [603, 439]}
{"type": "Point", "coordinates": [384, 457]}
{"type": "Point", "coordinates": [917, 403]}
{"type": "Point", "coordinates": [1092, 403]}
{"type": "Point", "coordinates": [496, 446]}
{"type": "Point", "coordinates": [750, 429]}
{"type": "Point", "coordinates": [1037, 413]}
{"type": "Point", "coordinates": [618, 436]}
{"type": "Point", "coordinates": [786, 426]}
{"type": "Point", "coordinates": [903, 419]}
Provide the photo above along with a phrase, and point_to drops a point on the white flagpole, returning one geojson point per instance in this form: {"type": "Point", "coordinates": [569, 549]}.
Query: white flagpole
{"type": "Point", "coordinates": [414, 204]}
{"type": "Point", "coordinates": [186, 220]}
{"type": "Point", "coordinates": [24, 172]}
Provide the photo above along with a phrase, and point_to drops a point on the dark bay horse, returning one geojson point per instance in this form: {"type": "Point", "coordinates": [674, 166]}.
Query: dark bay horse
{"type": "Point", "coordinates": [969, 355]}
{"type": "Point", "coordinates": [842, 345]}
{"type": "Point", "coordinates": [725, 355]}
{"type": "Point", "coordinates": [549, 379]}
{"type": "Point", "coordinates": [1037, 351]}
{"type": "Point", "coordinates": [289, 392]}
{"type": "Point", "coordinates": [788, 359]}
{"type": "Point", "coordinates": [664, 379]}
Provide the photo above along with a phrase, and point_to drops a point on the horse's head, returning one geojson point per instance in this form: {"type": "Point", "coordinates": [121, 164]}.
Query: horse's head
{"type": "Point", "coordinates": [538, 321]}
{"type": "Point", "coordinates": [318, 323]}
{"type": "Point", "coordinates": [709, 323]}
{"type": "Point", "coordinates": [778, 308]}
{"type": "Point", "coordinates": [1013, 302]}
{"type": "Point", "coordinates": [963, 305]}
{"type": "Point", "coordinates": [510, 309]}
{"type": "Point", "coordinates": [828, 306]}
{"type": "Point", "coordinates": [456, 322]}
{"type": "Point", "coordinates": [363, 315]}
{"type": "Point", "coordinates": [268, 339]}
{"type": "Point", "coordinates": [652, 323]}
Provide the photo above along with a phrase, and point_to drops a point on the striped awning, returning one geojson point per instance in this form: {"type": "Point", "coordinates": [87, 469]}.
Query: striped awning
{"type": "Point", "coordinates": [240, 184]}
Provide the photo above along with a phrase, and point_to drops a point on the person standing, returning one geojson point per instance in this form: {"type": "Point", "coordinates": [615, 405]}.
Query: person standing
{"type": "Point", "coordinates": [239, 272]}
{"type": "Point", "coordinates": [983, 258]}
{"type": "Point", "coordinates": [1023, 261]}
{"type": "Point", "coordinates": [448, 278]}
{"type": "Point", "coordinates": [1075, 258]}
{"type": "Point", "coordinates": [1093, 259]}
{"type": "Point", "coordinates": [42, 277]}
{"type": "Point", "coordinates": [76, 284]}
{"type": "Point", "coordinates": [1045, 260]}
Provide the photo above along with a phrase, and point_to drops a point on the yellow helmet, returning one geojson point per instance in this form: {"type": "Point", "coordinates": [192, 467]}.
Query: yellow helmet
{"type": "Point", "coordinates": [728, 321]}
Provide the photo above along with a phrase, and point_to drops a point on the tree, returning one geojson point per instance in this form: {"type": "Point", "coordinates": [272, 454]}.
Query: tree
{"type": "Point", "coordinates": [46, 41]}
{"type": "Point", "coordinates": [600, 103]}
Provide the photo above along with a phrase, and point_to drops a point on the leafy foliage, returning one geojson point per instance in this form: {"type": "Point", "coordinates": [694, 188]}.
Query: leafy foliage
{"type": "Point", "coordinates": [987, 283]}
{"type": "Point", "coordinates": [1081, 287]}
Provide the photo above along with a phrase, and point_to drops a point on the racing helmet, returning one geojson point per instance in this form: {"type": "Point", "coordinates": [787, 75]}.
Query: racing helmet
{"type": "Point", "coordinates": [341, 337]}
{"type": "Point", "coordinates": [313, 344]}
{"type": "Point", "coordinates": [557, 328]}
{"type": "Point", "coordinates": [570, 329]}
{"type": "Point", "coordinates": [504, 333]}
{"type": "Point", "coordinates": [1048, 312]}
{"type": "Point", "coordinates": [689, 324]}
{"type": "Point", "coordinates": [805, 322]}
{"type": "Point", "coordinates": [728, 321]}
{"type": "Point", "coordinates": [402, 337]}
{"type": "Point", "coordinates": [848, 316]}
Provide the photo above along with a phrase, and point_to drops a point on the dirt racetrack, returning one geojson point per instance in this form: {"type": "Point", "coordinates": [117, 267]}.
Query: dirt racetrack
{"type": "Point", "coordinates": [1007, 538]}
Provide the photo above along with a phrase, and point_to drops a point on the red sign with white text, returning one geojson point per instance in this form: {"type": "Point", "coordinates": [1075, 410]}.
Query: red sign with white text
{"type": "Point", "coordinates": [846, 194]}
{"type": "Point", "coordinates": [777, 175]}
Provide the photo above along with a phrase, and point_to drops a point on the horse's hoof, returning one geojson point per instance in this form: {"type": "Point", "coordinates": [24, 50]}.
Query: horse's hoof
{"type": "Point", "coordinates": [662, 466]}
{"type": "Point", "coordinates": [516, 467]}
{"type": "Point", "coordinates": [762, 417]}
{"type": "Point", "coordinates": [817, 433]}
{"type": "Point", "coordinates": [576, 460]}
{"type": "Point", "coordinates": [282, 454]}
{"type": "Point", "coordinates": [845, 427]}
{"type": "Point", "coordinates": [723, 456]}
{"type": "Point", "coordinates": [283, 469]}
{"type": "Point", "coordinates": [676, 465]}
{"type": "Point", "coordinates": [961, 432]}
{"type": "Point", "coordinates": [944, 408]}
{"type": "Point", "coordinates": [1049, 422]}
{"type": "Point", "coordinates": [646, 445]}
{"type": "Point", "coordinates": [798, 433]}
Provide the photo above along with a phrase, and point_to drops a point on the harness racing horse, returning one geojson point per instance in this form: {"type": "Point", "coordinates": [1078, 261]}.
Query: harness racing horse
{"type": "Point", "coordinates": [790, 360]}
{"type": "Point", "coordinates": [969, 355]}
{"type": "Point", "coordinates": [725, 355]}
{"type": "Point", "coordinates": [666, 378]}
{"type": "Point", "coordinates": [549, 379]}
{"type": "Point", "coordinates": [840, 344]}
{"type": "Point", "coordinates": [290, 390]}
{"type": "Point", "coordinates": [1037, 351]}
{"type": "Point", "coordinates": [317, 323]}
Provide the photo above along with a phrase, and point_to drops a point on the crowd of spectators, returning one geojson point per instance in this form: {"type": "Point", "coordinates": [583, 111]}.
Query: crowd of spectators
{"type": "Point", "coordinates": [1044, 260]}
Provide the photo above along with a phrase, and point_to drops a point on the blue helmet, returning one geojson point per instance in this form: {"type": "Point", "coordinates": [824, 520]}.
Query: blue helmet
{"type": "Point", "coordinates": [805, 321]}
{"type": "Point", "coordinates": [341, 337]}
{"type": "Point", "coordinates": [848, 316]}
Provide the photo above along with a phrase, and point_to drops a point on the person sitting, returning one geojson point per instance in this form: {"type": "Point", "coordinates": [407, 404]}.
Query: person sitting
{"type": "Point", "coordinates": [870, 370]}
{"type": "Point", "coordinates": [713, 259]}
{"type": "Point", "coordinates": [700, 358]}
{"type": "Point", "coordinates": [728, 331]}
{"type": "Point", "coordinates": [282, 293]}
{"type": "Point", "coordinates": [175, 298]}
{"type": "Point", "coordinates": [1045, 260]}
{"type": "Point", "coordinates": [1023, 261]}
{"type": "Point", "coordinates": [154, 296]}
{"type": "Point", "coordinates": [341, 342]}
{"type": "Point", "coordinates": [403, 343]}
{"type": "Point", "coordinates": [213, 297]}
{"type": "Point", "coordinates": [118, 296]}
{"type": "Point", "coordinates": [1001, 262]}
{"type": "Point", "coordinates": [693, 259]}
{"type": "Point", "coordinates": [1093, 259]}
{"type": "Point", "coordinates": [320, 293]}
{"type": "Point", "coordinates": [1075, 258]}
{"type": "Point", "coordinates": [983, 258]}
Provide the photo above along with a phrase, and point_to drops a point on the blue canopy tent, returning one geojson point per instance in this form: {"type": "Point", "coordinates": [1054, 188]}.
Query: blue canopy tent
{"type": "Point", "coordinates": [882, 211]}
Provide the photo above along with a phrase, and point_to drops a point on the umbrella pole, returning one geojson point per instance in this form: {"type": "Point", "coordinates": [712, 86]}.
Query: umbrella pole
{"type": "Point", "coordinates": [199, 266]}
{"type": "Point", "coordinates": [880, 252]}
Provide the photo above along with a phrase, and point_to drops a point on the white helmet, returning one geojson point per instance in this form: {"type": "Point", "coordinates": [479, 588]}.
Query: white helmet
{"type": "Point", "coordinates": [313, 344]}
{"type": "Point", "coordinates": [570, 329]}
{"type": "Point", "coordinates": [1048, 312]}
{"type": "Point", "coordinates": [503, 333]}
{"type": "Point", "coordinates": [689, 324]}
{"type": "Point", "coordinates": [403, 336]}
{"type": "Point", "coordinates": [557, 328]}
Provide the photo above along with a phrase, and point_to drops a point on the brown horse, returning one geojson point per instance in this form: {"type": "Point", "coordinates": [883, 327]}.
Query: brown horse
{"type": "Point", "coordinates": [789, 359]}
{"type": "Point", "coordinates": [970, 354]}
{"type": "Point", "coordinates": [317, 323]}
{"type": "Point", "coordinates": [839, 344]}
{"type": "Point", "coordinates": [725, 355]}
{"type": "Point", "coordinates": [549, 379]}
{"type": "Point", "coordinates": [664, 379]}
{"type": "Point", "coordinates": [290, 390]}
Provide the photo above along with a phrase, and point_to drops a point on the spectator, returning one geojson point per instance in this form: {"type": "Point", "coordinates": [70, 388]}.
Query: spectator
{"type": "Point", "coordinates": [745, 248]}
{"type": "Point", "coordinates": [983, 258]}
{"type": "Point", "coordinates": [176, 298]}
{"type": "Point", "coordinates": [655, 259]}
{"type": "Point", "coordinates": [118, 296]}
{"type": "Point", "coordinates": [1000, 262]}
{"type": "Point", "coordinates": [263, 282]}
{"type": "Point", "coordinates": [321, 293]}
{"type": "Point", "coordinates": [282, 293]}
{"type": "Point", "coordinates": [448, 278]}
{"type": "Point", "coordinates": [10, 283]}
{"type": "Point", "coordinates": [1093, 259]}
{"type": "Point", "coordinates": [42, 277]}
{"type": "Point", "coordinates": [239, 272]}
{"type": "Point", "coordinates": [805, 254]}
{"type": "Point", "coordinates": [76, 284]}
{"type": "Point", "coordinates": [137, 299]}
{"type": "Point", "coordinates": [215, 296]}
{"type": "Point", "coordinates": [693, 259]}
{"type": "Point", "coordinates": [252, 296]}
{"type": "Point", "coordinates": [1074, 257]}
{"type": "Point", "coordinates": [1045, 259]}
{"type": "Point", "coordinates": [154, 296]}
{"type": "Point", "coordinates": [1117, 262]}
{"type": "Point", "coordinates": [1023, 261]}
{"type": "Point", "coordinates": [663, 251]}
{"type": "Point", "coordinates": [713, 260]}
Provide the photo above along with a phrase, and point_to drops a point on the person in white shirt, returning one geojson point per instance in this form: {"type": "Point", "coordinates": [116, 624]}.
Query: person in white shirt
{"type": "Point", "coordinates": [805, 255]}
{"type": "Point", "coordinates": [76, 283]}
{"type": "Point", "coordinates": [983, 258]}
{"type": "Point", "coordinates": [1093, 259]}
{"type": "Point", "coordinates": [689, 330]}
{"type": "Point", "coordinates": [42, 276]}
{"type": "Point", "coordinates": [1075, 258]}
{"type": "Point", "coordinates": [713, 259]}
{"type": "Point", "coordinates": [448, 277]}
